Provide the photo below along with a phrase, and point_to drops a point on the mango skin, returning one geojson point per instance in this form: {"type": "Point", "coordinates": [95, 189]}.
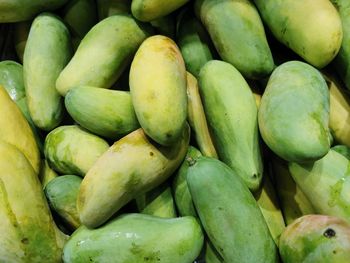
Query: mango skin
{"type": "Point", "coordinates": [108, 113]}
{"type": "Point", "coordinates": [72, 150]}
{"type": "Point", "coordinates": [137, 238]}
{"type": "Point", "coordinates": [158, 89]}
{"type": "Point", "coordinates": [148, 10]}
{"type": "Point", "coordinates": [47, 52]}
{"type": "Point", "coordinates": [238, 34]}
{"type": "Point", "coordinates": [296, 23]}
{"type": "Point", "coordinates": [28, 231]}
{"type": "Point", "coordinates": [229, 103]}
{"type": "Point", "coordinates": [131, 166]}
{"type": "Point", "coordinates": [103, 54]}
{"type": "Point", "coordinates": [316, 238]}
{"type": "Point", "coordinates": [294, 113]}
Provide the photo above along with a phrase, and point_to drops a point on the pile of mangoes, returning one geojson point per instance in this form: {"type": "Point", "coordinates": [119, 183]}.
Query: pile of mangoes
{"type": "Point", "coordinates": [175, 131]}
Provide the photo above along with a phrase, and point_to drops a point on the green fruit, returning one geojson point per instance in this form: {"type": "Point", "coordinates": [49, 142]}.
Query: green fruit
{"type": "Point", "coordinates": [136, 238]}
{"type": "Point", "coordinates": [46, 173]}
{"type": "Point", "coordinates": [238, 35]}
{"type": "Point", "coordinates": [229, 213]}
{"type": "Point", "coordinates": [103, 54]}
{"type": "Point", "coordinates": [48, 50]}
{"type": "Point", "coordinates": [296, 23]}
{"type": "Point", "coordinates": [229, 103]}
{"type": "Point", "coordinates": [211, 255]}
{"type": "Point", "coordinates": [72, 150]}
{"type": "Point", "coordinates": [343, 150]}
{"type": "Point", "coordinates": [316, 238]}
{"type": "Point", "coordinates": [132, 166]}
{"type": "Point", "coordinates": [158, 89]}
{"type": "Point", "coordinates": [148, 10]}
{"type": "Point", "coordinates": [28, 233]}
{"type": "Point", "coordinates": [294, 113]}
{"type": "Point", "coordinates": [61, 193]}
{"type": "Point", "coordinates": [108, 113]}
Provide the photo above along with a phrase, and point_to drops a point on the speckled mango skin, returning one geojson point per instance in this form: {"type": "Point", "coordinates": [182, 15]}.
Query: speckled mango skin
{"type": "Point", "coordinates": [326, 183]}
{"type": "Point", "coordinates": [311, 29]}
{"type": "Point", "coordinates": [28, 233]}
{"type": "Point", "coordinates": [294, 113]}
{"type": "Point", "coordinates": [316, 238]}
{"type": "Point", "coordinates": [133, 238]}
{"type": "Point", "coordinates": [132, 166]}
{"type": "Point", "coordinates": [158, 89]}
{"type": "Point", "coordinates": [72, 150]}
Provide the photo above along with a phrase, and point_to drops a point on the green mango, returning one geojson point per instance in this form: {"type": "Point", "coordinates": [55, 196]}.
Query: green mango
{"type": "Point", "coordinates": [316, 238]}
{"type": "Point", "coordinates": [131, 166]}
{"type": "Point", "coordinates": [229, 103]}
{"type": "Point", "coordinates": [20, 36]}
{"type": "Point", "coordinates": [148, 10]}
{"type": "Point", "coordinates": [343, 150]}
{"type": "Point", "coordinates": [296, 23]}
{"type": "Point", "coordinates": [28, 233]}
{"type": "Point", "coordinates": [46, 173]}
{"type": "Point", "coordinates": [72, 150]}
{"type": "Point", "coordinates": [157, 202]}
{"type": "Point", "coordinates": [22, 10]}
{"type": "Point", "coordinates": [182, 194]}
{"type": "Point", "coordinates": [103, 54]}
{"type": "Point", "coordinates": [326, 183]}
{"type": "Point", "coordinates": [238, 34]}
{"type": "Point", "coordinates": [61, 193]}
{"type": "Point", "coordinates": [211, 255]}
{"type": "Point", "coordinates": [108, 113]}
{"type": "Point", "coordinates": [294, 113]}
{"type": "Point", "coordinates": [108, 8]}
{"type": "Point", "coordinates": [158, 89]}
{"type": "Point", "coordinates": [136, 238]}
{"type": "Point", "coordinates": [229, 213]}
{"type": "Point", "coordinates": [47, 51]}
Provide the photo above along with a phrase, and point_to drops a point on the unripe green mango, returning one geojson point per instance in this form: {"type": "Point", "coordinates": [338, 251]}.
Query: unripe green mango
{"type": "Point", "coordinates": [137, 238]}
{"type": "Point", "coordinates": [316, 238]}
{"type": "Point", "coordinates": [231, 113]}
{"type": "Point", "coordinates": [103, 54]}
{"type": "Point", "coordinates": [343, 150]}
{"type": "Point", "coordinates": [148, 10]}
{"type": "Point", "coordinates": [61, 193]}
{"type": "Point", "coordinates": [108, 8]}
{"type": "Point", "coordinates": [21, 10]}
{"type": "Point", "coordinates": [131, 166]}
{"type": "Point", "coordinates": [47, 52]}
{"type": "Point", "coordinates": [312, 29]}
{"type": "Point", "coordinates": [326, 183]}
{"type": "Point", "coordinates": [72, 150]}
{"type": "Point", "coordinates": [294, 113]}
{"type": "Point", "coordinates": [158, 89]}
{"type": "Point", "coordinates": [108, 113]}
{"type": "Point", "coordinates": [238, 34]}
{"type": "Point", "coordinates": [28, 233]}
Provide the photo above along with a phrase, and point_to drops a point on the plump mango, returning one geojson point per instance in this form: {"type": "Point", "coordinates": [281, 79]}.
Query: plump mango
{"type": "Point", "coordinates": [137, 238]}
{"type": "Point", "coordinates": [108, 113]}
{"type": "Point", "coordinates": [297, 24]}
{"type": "Point", "coordinates": [158, 89]}
{"type": "Point", "coordinates": [238, 34]}
{"type": "Point", "coordinates": [294, 113]}
{"type": "Point", "coordinates": [72, 150]}
{"type": "Point", "coordinates": [103, 54]}
{"type": "Point", "coordinates": [131, 166]}
{"type": "Point", "coordinates": [316, 238]}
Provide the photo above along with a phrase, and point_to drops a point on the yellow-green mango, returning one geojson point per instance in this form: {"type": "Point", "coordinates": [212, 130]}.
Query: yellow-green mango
{"type": "Point", "coordinates": [15, 130]}
{"type": "Point", "coordinates": [158, 89]}
{"type": "Point", "coordinates": [103, 54]}
{"type": "Point", "coordinates": [131, 166]}
{"type": "Point", "coordinates": [20, 36]}
{"type": "Point", "coordinates": [28, 233]}
{"type": "Point", "coordinates": [294, 113]}
{"type": "Point", "coordinates": [312, 29]}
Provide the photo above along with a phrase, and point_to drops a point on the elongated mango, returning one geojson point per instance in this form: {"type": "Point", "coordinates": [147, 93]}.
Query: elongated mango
{"type": "Point", "coordinates": [238, 35]}
{"type": "Point", "coordinates": [231, 113]}
{"type": "Point", "coordinates": [158, 89]}
{"type": "Point", "coordinates": [103, 54]}
{"type": "Point", "coordinates": [131, 166]}
{"type": "Point", "coordinates": [294, 113]}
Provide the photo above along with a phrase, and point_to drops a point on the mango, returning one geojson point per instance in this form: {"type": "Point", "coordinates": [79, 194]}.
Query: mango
{"type": "Point", "coordinates": [46, 173]}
